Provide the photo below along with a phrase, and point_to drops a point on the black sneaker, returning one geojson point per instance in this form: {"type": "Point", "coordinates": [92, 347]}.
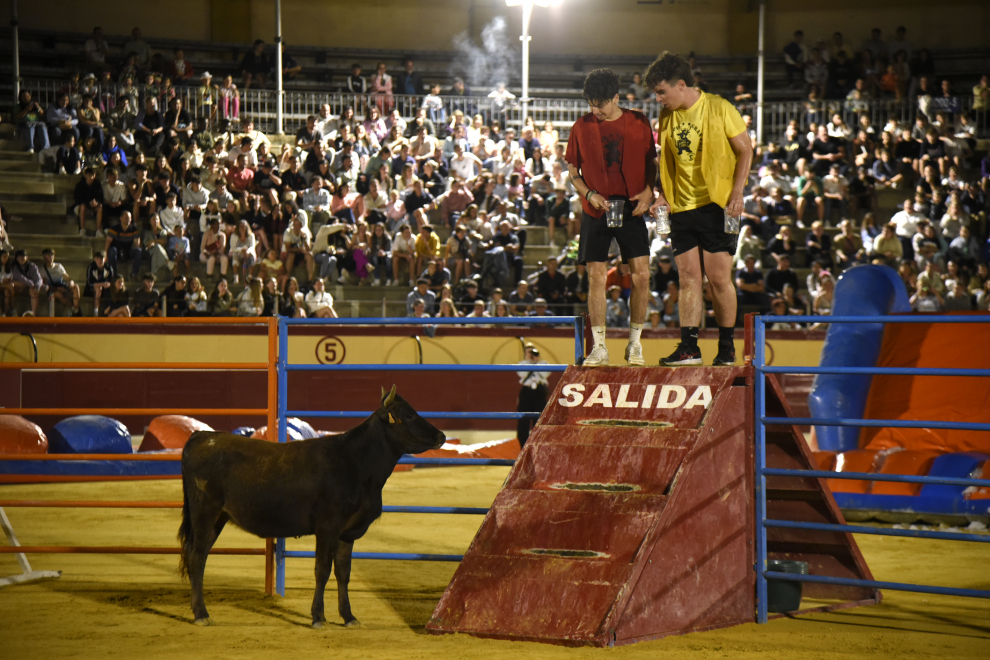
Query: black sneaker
{"type": "Point", "coordinates": [683, 356]}
{"type": "Point", "coordinates": [726, 357]}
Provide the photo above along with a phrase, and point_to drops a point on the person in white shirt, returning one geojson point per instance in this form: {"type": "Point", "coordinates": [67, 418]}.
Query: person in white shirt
{"type": "Point", "coordinates": [257, 137]}
{"type": "Point", "coordinates": [297, 242]}
{"type": "Point", "coordinates": [533, 392]}
{"type": "Point", "coordinates": [245, 147]}
{"type": "Point", "coordinates": [115, 196]}
{"type": "Point", "coordinates": [835, 193]}
{"type": "Point", "coordinates": [404, 250]}
{"type": "Point", "coordinates": [57, 282]}
{"type": "Point", "coordinates": [319, 303]}
{"type": "Point", "coordinates": [906, 221]}
{"type": "Point", "coordinates": [96, 48]}
{"type": "Point", "coordinates": [464, 166]}
{"type": "Point", "coordinates": [774, 179]}
{"type": "Point", "coordinates": [505, 163]}
{"type": "Point", "coordinates": [316, 201]}
{"type": "Point", "coordinates": [242, 250]}
{"type": "Point", "coordinates": [172, 215]}
{"type": "Point", "coordinates": [194, 199]}
{"type": "Point", "coordinates": [375, 202]}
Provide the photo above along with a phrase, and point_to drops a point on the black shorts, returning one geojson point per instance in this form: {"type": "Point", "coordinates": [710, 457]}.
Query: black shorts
{"type": "Point", "coordinates": [702, 227]}
{"type": "Point", "coordinates": [596, 237]}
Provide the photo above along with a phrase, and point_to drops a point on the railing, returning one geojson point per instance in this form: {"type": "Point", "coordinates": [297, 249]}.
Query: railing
{"type": "Point", "coordinates": [284, 367]}
{"type": "Point", "coordinates": [268, 412]}
{"type": "Point", "coordinates": [260, 105]}
{"type": "Point", "coordinates": [762, 471]}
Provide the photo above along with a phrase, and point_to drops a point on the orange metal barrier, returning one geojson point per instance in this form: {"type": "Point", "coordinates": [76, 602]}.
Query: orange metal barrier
{"type": "Point", "coordinates": [14, 324]}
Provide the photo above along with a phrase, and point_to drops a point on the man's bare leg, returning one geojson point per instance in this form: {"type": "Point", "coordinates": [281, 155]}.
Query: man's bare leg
{"type": "Point", "coordinates": [597, 274]}
{"type": "Point", "coordinates": [718, 268]}
{"type": "Point", "coordinates": [690, 305]}
{"type": "Point", "coordinates": [638, 300]}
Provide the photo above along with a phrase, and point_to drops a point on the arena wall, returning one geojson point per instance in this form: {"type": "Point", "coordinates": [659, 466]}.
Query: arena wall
{"type": "Point", "coordinates": [311, 390]}
{"type": "Point", "coordinates": [587, 27]}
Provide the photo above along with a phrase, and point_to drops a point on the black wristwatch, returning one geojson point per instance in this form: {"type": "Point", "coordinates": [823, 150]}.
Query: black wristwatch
{"type": "Point", "coordinates": [588, 195]}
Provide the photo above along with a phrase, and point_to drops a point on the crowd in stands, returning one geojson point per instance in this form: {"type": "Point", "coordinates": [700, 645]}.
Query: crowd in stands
{"type": "Point", "coordinates": [364, 197]}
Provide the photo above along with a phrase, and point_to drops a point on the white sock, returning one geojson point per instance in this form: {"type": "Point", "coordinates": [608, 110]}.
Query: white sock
{"type": "Point", "coordinates": [598, 332]}
{"type": "Point", "coordinates": [635, 329]}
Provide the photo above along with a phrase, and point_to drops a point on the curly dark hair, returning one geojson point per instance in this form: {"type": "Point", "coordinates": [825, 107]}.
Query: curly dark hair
{"type": "Point", "coordinates": [669, 67]}
{"type": "Point", "coordinates": [601, 85]}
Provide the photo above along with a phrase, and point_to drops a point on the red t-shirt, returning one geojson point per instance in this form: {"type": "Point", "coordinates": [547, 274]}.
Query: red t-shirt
{"type": "Point", "coordinates": [616, 158]}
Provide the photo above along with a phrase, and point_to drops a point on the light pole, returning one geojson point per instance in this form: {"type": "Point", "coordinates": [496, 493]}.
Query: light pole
{"type": "Point", "coordinates": [527, 14]}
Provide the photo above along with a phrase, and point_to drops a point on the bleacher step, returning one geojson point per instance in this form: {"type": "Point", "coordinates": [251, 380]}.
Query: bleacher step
{"type": "Point", "coordinates": [11, 186]}
{"type": "Point", "coordinates": [18, 207]}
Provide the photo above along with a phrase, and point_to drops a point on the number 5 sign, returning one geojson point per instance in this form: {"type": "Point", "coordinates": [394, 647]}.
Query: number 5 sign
{"type": "Point", "coordinates": [330, 350]}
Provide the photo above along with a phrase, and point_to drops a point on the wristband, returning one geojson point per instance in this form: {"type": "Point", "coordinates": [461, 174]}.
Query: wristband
{"type": "Point", "coordinates": [587, 195]}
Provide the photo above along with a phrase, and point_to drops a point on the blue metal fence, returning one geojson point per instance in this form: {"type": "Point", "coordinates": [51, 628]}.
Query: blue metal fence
{"type": "Point", "coordinates": [284, 367]}
{"type": "Point", "coordinates": [762, 471]}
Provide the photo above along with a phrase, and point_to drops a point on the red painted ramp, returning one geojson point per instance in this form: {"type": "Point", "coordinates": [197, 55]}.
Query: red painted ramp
{"type": "Point", "coordinates": [628, 515]}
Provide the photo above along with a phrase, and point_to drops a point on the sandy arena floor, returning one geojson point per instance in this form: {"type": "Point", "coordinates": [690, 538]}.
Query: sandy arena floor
{"type": "Point", "coordinates": [134, 606]}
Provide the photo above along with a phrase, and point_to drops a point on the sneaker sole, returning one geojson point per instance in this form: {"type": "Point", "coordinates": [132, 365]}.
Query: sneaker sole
{"type": "Point", "coordinates": [636, 363]}
{"type": "Point", "coordinates": [682, 363]}
{"type": "Point", "coordinates": [586, 363]}
{"type": "Point", "coordinates": [721, 363]}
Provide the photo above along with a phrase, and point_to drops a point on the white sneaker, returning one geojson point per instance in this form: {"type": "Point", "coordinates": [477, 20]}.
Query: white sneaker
{"type": "Point", "coordinates": [412, 282]}
{"type": "Point", "coordinates": [99, 233]}
{"type": "Point", "coordinates": [343, 276]}
{"type": "Point", "coordinates": [82, 231]}
{"type": "Point", "coordinates": [634, 354]}
{"type": "Point", "coordinates": [597, 358]}
{"type": "Point", "coordinates": [377, 282]}
{"type": "Point", "coordinates": [388, 282]}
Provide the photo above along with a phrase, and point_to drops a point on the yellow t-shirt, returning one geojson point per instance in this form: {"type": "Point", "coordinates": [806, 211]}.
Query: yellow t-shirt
{"type": "Point", "coordinates": [687, 141]}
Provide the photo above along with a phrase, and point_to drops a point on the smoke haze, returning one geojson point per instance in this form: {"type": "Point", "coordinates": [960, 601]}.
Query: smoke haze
{"type": "Point", "coordinates": [494, 61]}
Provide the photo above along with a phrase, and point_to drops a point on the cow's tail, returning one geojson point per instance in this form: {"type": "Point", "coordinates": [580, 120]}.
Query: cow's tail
{"type": "Point", "coordinates": [185, 532]}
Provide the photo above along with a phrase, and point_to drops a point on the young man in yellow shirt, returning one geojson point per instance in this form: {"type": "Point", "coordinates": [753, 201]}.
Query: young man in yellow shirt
{"type": "Point", "coordinates": [704, 160]}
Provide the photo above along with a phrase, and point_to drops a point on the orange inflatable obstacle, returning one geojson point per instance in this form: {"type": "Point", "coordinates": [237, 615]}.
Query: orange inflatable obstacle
{"type": "Point", "coordinates": [923, 452]}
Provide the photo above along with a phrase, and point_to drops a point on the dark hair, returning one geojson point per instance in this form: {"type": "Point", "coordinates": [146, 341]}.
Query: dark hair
{"type": "Point", "coordinates": [90, 171]}
{"type": "Point", "coordinates": [96, 255]}
{"type": "Point", "coordinates": [601, 85]}
{"type": "Point", "coordinates": [47, 251]}
{"type": "Point", "coordinates": [669, 67]}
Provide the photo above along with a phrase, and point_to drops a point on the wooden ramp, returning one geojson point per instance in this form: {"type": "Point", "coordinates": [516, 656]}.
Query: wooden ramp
{"type": "Point", "coordinates": [628, 516]}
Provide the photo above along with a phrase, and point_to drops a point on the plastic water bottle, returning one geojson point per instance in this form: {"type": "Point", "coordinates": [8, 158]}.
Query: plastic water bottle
{"type": "Point", "coordinates": [663, 220]}
{"type": "Point", "coordinates": [615, 211]}
{"type": "Point", "coordinates": [731, 223]}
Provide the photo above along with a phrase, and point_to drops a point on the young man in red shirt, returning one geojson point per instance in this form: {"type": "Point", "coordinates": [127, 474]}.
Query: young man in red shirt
{"type": "Point", "coordinates": [611, 155]}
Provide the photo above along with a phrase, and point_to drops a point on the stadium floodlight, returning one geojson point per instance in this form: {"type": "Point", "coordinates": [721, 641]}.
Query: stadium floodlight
{"type": "Point", "coordinates": [527, 14]}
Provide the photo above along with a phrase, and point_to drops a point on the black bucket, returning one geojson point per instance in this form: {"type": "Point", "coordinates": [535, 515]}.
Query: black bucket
{"type": "Point", "coordinates": [784, 595]}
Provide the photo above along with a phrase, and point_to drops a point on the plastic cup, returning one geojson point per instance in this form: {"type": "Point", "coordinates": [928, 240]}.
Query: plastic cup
{"type": "Point", "coordinates": [614, 214]}
{"type": "Point", "coordinates": [731, 223]}
{"type": "Point", "coordinates": [663, 220]}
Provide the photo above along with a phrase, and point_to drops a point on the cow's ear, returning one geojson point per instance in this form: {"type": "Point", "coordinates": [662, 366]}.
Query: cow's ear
{"type": "Point", "coordinates": [388, 399]}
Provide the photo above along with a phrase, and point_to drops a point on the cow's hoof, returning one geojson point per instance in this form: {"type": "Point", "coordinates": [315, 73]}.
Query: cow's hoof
{"type": "Point", "coordinates": [317, 625]}
{"type": "Point", "coordinates": [352, 623]}
{"type": "Point", "coordinates": [203, 622]}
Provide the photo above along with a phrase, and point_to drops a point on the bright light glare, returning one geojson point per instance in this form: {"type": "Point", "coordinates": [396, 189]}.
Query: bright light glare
{"type": "Point", "coordinates": [538, 3]}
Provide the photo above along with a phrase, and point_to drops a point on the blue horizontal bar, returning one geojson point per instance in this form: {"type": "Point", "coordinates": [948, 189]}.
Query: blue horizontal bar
{"type": "Point", "coordinates": [875, 584]}
{"type": "Point", "coordinates": [878, 531]}
{"type": "Point", "coordinates": [869, 476]}
{"type": "Point", "coordinates": [467, 510]}
{"type": "Point", "coordinates": [424, 367]}
{"type": "Point", "coordinates": [463, 320]}
{"type": "Point", "coordinates": [873, 319]}
{"type": "Point", "coordinates": [413, 460]}
{"type": "Point", "coordinates": [877, 371]}
{"type": "Point", "coordinates": [877, 423]}
{"type": "Point", "coordinates": [360, 414]}
{"type": "Point", "coordinates": [395, 556]}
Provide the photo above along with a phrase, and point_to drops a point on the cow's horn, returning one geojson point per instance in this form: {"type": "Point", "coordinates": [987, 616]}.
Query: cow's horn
{"type": "Point", "coordinates": [387, 400]}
